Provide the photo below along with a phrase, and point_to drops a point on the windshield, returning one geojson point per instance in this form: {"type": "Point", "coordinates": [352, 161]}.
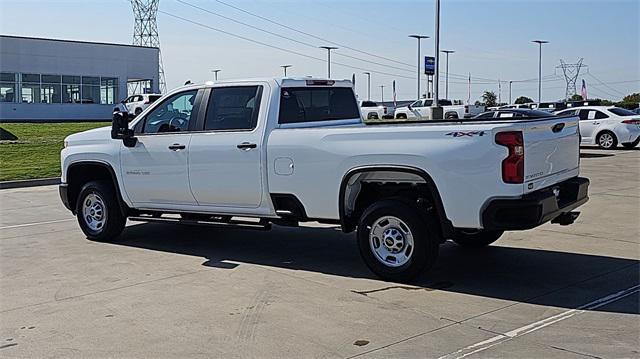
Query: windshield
{"type": "Point", "coordinates": [621, 112]}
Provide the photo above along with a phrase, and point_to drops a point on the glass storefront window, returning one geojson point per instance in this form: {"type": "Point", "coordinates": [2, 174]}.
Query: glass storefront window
{"type": "Point", "coordinates": [7, 87]}
{"type": "Point", "coordinates": [108, 90]}
{"type": "Point", "coordinates": [70, 93]}
{"type": "Point", "coordinates": [30, 93]}
{"type": "Point", "coordinates": [31, 78]}
{"type": "Point", "coordinates": [51, 93]}
{"type": "Point", "coordinates": [71, 80]}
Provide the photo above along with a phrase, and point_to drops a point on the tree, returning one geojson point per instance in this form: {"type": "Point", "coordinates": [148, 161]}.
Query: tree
{"type": "Point", "coordinates": [490, 99]}
{"type": "Point", "coordinates": [522, 100]}
{"type": "Point", "coordinates": [576, 97]}
{"type": "Point", "coordinates": [630, 101]}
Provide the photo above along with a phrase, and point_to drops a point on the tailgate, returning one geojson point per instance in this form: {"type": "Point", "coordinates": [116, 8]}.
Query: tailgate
{"type": "Point", "coordinates": [551, 151]}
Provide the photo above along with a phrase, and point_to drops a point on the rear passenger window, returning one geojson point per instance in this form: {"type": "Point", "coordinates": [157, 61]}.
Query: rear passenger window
{"type": "Point", "coordinates": [233, 108]}
{"type": "Point", "coordinates": [309, 104]}
{"type": "Point", "coordinates": [600, 115]}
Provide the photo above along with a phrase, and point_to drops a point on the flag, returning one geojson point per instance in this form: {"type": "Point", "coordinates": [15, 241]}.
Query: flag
{"type": "Point", "coordinates": [583, 91]}
{"type": "Point", "coordinates": [394, 94]}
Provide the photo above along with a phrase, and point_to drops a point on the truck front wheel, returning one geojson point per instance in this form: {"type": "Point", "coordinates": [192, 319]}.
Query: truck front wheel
{"type": "Point", "coordinates": [397, 242]}
{"type": "Point", "coordinates": [476, 239]}
{"type": "Point", "coordinates": [98, 212]}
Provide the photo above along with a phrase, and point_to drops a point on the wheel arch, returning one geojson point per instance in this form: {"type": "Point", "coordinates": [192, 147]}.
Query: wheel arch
{"type": "Point", "coordinates": [80, 172]}
{"type": "Point", "coordinates": [348, 223]}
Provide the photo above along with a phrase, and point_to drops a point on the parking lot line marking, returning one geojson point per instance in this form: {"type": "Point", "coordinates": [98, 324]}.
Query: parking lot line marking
{"type": "Point", "coordinates": [37, 223]}
{"type": "Point", "coordinates": [529, 328]}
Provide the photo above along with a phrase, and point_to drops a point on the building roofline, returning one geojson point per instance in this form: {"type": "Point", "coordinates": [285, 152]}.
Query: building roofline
{"type": "Point", "coordinates": [75, 41]}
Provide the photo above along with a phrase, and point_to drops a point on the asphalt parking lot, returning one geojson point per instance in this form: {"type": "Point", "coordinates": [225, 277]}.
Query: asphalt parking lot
{"type": "Point", "coordinates": [175, 291]}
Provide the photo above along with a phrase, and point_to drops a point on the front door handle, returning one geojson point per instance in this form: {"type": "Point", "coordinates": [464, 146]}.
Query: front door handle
{"type": "Point", "coordinates": [177, 146]}
{"type": "Point", "coordinates": [246, 146]}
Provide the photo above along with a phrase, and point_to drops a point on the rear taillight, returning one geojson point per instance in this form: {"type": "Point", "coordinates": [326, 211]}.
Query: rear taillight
{"type": "Point", "coordinates": [466, 109]}
{"type": "Point", "coordinates": [631, 122]}
{"type": "Point", "coordinates": [513, 165]}
{"type": "Point", "coordinates": [385, 109]}
{"type": "Point", "coordinates": [147, 102]}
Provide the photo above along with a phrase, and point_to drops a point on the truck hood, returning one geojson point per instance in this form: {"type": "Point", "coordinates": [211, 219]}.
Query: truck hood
{"type": "Point", "coordinates": [101, 134]}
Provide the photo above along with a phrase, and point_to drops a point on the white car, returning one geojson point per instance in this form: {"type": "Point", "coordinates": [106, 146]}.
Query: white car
{"type": "Point", "coordinates": [606, 126]}
{"type": "Point", "coordinates": [420, 110]}
{"type": "Point", "coordinates": [289, 150]}
{"type": "Point", "coordinates": [135, 104]}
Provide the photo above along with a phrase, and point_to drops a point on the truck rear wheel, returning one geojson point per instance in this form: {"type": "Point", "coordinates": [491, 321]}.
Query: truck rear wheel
{"type": "Point", "coordinates": [476, 239]}
{"type": "Point", "coordinates": [396, 242]}
{"type": "Point", "coordinates": [98, 211]}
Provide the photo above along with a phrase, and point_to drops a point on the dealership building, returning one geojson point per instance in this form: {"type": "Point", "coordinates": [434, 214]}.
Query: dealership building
{"type": "Point", "coordinates": [61, 80]}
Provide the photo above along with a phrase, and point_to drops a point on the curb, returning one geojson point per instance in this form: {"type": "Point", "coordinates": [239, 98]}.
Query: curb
{"type": "Point", "coordinates": [30, 183]}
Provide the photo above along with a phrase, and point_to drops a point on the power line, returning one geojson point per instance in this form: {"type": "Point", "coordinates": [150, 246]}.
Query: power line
{"type": "Point", "coordinates": [286, 37]}
{"type": "Point", "coordinates": [278, 47]}
{"type": "Point", "coordinates": [308, 34]}
{"type": "Point", "coordinates": [607, 86]}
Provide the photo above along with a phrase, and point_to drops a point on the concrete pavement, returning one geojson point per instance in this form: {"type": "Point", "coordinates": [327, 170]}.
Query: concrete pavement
{"type": "Point", "coordinates": [167, 291]}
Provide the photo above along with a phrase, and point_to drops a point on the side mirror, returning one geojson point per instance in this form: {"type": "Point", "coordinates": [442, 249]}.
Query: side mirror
{"type": "Point", "coordinates": [120, 129]}
{"type": "Point", "coordinates": [409, 107]}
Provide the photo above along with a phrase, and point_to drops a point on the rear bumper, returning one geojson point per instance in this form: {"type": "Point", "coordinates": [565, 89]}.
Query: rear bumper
{"type": "Point", "coordinates": [536, 208]}
{"type": "Point", "coordinates": [63, 188]}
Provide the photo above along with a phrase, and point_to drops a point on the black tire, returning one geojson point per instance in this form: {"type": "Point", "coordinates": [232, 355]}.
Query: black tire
{"type": "Point", "coordinates": [401, 116]}
{"type": "Point", "coordinates": [606, 145]}
{"type": "Point", "coordinates": [426, 240]}
{"type": "Point", "coordinates": [114, 221]}
{"type": "Point", "coordinates": [476, 240]}
{"type": "Point", "coordinates": [137, 111]}
{"type": "Point", "coordinates": [630, 145]}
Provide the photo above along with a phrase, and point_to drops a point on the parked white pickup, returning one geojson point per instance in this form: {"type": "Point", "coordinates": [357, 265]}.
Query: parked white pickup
{"type": "Point", "coordinates": [286, 151]}
{"type": "Point", "coordinates": [419, 110]}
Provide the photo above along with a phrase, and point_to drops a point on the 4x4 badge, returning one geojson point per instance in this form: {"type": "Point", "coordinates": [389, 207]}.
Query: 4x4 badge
{"type": "Point", "coordinates": [467, 133]}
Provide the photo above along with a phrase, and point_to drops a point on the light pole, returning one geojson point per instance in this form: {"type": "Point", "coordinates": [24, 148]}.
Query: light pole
{"type": "Point", "coordinates": [436, 72]}
{"type": "Point", "coordinates": [328, 48]}
{"type": "Point", "coordinates": [285, 67]}
{"type": "Point", "coordinates": [540, 42]}
{"type": "Point", "coordinates": [382, 93]}
{"type": "Point", "coordinates": [510, 82]}
{"type": "Point", "coordinates": [419, 37]}
{"type": "Point", "coordinates": [368, 85]}
{"type": "Point", "coordinates": [446, 84]}
{"type": "Point", "coordinates": [215, 72]}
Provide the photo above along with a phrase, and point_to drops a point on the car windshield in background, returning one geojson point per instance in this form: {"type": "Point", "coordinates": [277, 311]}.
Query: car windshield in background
{"type": "Point", "coordinates": [622, 112]}
{"type": "Point", "coordinates": [369, 104]}
{"type": "Point", "coordinates": [315, 104]}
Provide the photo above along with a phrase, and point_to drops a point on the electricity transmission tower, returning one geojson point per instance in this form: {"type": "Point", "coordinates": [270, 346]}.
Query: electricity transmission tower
{"type": "Point", "coordinates": [571, 72]}
{"type": "Point", "coordinates": [145, 31]}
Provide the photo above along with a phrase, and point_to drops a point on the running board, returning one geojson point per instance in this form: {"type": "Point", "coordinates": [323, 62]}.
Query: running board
{"type": "Point", "coordinates": [263, 225]}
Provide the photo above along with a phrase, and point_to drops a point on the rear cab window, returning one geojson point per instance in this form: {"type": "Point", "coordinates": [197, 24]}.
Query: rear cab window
{"type": "Point", "coordinates": [369, 104]}
{"type": "Point", "coordinates": [317, 105]}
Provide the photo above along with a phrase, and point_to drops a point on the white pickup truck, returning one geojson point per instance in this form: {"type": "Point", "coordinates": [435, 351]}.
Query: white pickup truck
{"type": "Point", "coordinates": [285, 151]}
{"type": "Point", "coordinates": [419, 110]}
{"type": "Point", "coordinates": [372, 111]}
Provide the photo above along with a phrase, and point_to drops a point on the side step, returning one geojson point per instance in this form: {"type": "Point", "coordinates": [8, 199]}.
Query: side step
{"type": "Point", "coordinates": [263, 225]}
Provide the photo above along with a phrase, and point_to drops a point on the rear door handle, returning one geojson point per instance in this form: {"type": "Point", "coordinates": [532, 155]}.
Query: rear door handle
{"type": "Point", "coordinates": [246, 146]}
{"type": "Point", "coordinates": [177, 146]}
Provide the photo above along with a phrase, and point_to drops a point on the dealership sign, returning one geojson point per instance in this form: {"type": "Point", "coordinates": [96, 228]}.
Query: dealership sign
{"type": "Point", "coordinates": [429, 65]}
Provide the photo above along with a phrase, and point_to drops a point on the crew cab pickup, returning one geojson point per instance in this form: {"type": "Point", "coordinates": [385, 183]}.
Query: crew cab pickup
{"type": "Point", "coordinates": [283, 151]}
{"type": "Point", "coordinates": [418, 110]}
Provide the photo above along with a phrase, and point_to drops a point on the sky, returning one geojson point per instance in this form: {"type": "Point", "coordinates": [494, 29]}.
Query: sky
{"type": "Point", "coordinates": [491, 40]}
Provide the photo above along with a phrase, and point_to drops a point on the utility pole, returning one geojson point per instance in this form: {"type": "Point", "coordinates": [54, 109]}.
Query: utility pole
{"type": "Point", "coordinates": [436, 75]}
{"type": "Point", "coordinates": [540, 42]}
{"type": "Point", "coordinates": [499, 92]}
{"type": "Point", "coordinates": [285, 67]}
{"type": "Point", "coordinates": [446, 87]}
{"type": "Point", "coordinates": [419, 37]}
{"type": "Point", "coordinates": [328, 48]}
{"type": "Point", "coordinates": [382, 93]}
{"type": "Point", "coordinates": [368, 85]}
{"type": "Point", "coordinates": [215, 72]}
